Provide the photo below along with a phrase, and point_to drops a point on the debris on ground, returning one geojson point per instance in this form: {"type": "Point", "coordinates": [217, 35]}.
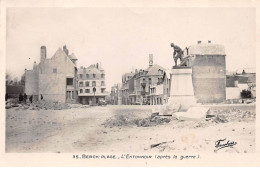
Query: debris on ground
{"type": "Point", "coordinates": [162, 145]}
{"type": "Point", "coordinates": [240, 101]}
{"type": "Point", "coordinates": [155, 145]}
{"type": "Point", "coordinates": [152, 121]}
{"type": "Point", "coordinates": [130, 120]}
{"type": "Point", "coordinates": [119, 120]}
{"type": "Point", "coordinates": [230, 115]}
{"type": "Point", "coordinates": [42, 104]}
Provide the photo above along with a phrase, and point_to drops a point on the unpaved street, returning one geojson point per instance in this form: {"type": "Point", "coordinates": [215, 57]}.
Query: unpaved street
{"type": "Point", "coordinates": [123, 129]}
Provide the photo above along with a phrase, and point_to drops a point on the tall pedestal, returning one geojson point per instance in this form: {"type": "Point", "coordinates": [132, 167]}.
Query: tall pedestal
{"type": "Point", "coordinates": [182, 87]}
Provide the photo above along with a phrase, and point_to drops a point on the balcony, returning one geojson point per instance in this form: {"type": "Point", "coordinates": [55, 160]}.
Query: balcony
{"type": "Point", "coordinates": [70, 87]}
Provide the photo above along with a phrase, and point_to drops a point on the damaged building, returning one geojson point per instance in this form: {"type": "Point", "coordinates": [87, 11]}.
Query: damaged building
{"type": "Point", "coordinates": [53, 79]}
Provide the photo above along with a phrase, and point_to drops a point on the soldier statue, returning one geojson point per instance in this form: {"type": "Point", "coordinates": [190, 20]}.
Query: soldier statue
{"type": "Point", "coordinates": [178, 53]}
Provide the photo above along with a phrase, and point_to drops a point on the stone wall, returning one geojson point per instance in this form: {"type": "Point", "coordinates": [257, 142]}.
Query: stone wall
{"type": "Point", "coordinates": [31, 82]}
{"type": "Point", "coordinates": [209, 78]}
{"type": "Point", "coordinates": [53, 87]}
{"type": "Point", "coordinates": [233, 93]}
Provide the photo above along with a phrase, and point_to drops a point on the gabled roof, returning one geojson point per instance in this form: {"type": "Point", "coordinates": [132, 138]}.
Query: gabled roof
{"type": "Point", "coordinates": [153, 70]}
{"type": "Point", "coordinates": [60, 51]}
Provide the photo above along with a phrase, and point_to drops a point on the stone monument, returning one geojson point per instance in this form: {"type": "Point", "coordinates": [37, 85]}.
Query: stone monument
{"type": "Point", "coordinates": [181, 82]}
{"type": "Point", "coordinates": [181, 90]}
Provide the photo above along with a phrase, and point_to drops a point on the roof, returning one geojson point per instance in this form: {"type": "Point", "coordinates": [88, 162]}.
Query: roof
{"type": "Point", "coordinates": [207, 49]}
{"type": "Point", "coordinates": [90, 70]}
{"type": "Point", "coordinates": [247, 70]}
{"type": "Point", "coordinates": [60, 51]}
{"type": "Point", "coordinates": [153, 70]}
{"type": "Point", "coordinates": [167, 73]}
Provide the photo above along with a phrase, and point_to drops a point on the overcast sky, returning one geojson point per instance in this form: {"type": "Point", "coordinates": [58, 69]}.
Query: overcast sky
{"type": "Point", "coordinates": [122, 38]}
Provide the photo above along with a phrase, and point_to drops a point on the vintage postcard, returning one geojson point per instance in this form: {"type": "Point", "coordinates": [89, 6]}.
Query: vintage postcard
{"type": "Point", "coordinates": [129, 83]}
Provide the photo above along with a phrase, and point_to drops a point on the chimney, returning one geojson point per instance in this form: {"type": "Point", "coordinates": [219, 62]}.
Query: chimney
{"type": "Point", "coordinates": [136, 70]}
{"type": "Point", "coordinates": [209, 41]}
{"type": "Point", "coordinates": [97, 66]}
{"type": "Point", "coordinates": [199, 42]}
{"type": "Point", "coordinates": [150, 60]}
{"type": "Point", "coordinates": [66, 50]}
{"type": "Point", "coordinates": [43, 53]}
{"type": "Point", "coordinates": [34, 65]}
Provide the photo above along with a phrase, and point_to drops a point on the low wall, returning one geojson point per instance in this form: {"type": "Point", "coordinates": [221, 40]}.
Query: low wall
{"type": "Point", "coordinates": [233, 93]}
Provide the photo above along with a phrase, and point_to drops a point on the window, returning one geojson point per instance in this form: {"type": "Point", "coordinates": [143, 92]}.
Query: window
{"type": "Point", "coordinates": [87, 83]}
{"type": "Point", "coordinates": [93, 83]}
{"type": "Point", "coordinates": [94, 75]}
{"type": "Point", "coordinates": [80, 84]}
{"type": "Point", "coordinates": [102, 90]}
{"type": "Point", "coordinates": [69, 81]}
{"type": "Point", "coordinates": [69, 95]}
{"type": "Point", "coordinates": [87, 75]}
{"type": "Point", "coordinates": [102, 75]}
{"type": "Point", "coordinates": [160, 71]}
{"type": "Point", "coordinates": [87, 91]}
{"type": "Point", "coordinates": [80, 76]}
{"type": "Point", "coordinates": [55, 70]}
{"type": "Point", "coordinates": [102, 83]}
{"type": "Point", "coordinates": [150, 80]}
{"type": "Point", "coordinates": [80, 91]}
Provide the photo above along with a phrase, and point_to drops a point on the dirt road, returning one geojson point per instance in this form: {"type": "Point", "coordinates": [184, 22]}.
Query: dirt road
{"type": "Point", "coordinates": [113, 129]}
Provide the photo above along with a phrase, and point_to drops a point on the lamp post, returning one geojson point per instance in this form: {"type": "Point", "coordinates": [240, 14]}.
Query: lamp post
{"type": "Point", "coordinates": [94, 90]}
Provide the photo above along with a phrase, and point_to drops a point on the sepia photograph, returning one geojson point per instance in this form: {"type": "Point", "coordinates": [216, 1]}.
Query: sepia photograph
{"type": "Point", "coordinates": [131, 82]}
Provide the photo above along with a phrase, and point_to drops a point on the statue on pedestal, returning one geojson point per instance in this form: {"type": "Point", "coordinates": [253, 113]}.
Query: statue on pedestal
{"type": "Point", "coordinates": [177, 54]}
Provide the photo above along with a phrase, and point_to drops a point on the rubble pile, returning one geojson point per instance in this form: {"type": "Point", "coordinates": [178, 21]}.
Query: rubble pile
{"type": "Point", "coordinates": [230, 115]}
{"type": "Point", "coordinates": [119, 120]}
{"type": "Point", "coordinates": [37, 105]}
{"type": "Point", "coordinates": [131, 120]}
{"type": "Point", "coordinates": [225, 116]}
{"type": "Point", "coordinates": [11, 103]}
{"type": "Point", "coordinates": [152, 121]}
{"type": "Point", "coordinates": [50, 105]}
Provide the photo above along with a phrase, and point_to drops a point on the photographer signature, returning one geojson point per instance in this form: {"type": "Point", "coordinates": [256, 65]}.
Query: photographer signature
{"type": "Point", "coordinates": [222, 143]}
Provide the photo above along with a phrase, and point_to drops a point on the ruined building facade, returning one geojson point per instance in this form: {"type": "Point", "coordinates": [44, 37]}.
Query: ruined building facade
{"type": "Point", "coordinates": [55, 78]}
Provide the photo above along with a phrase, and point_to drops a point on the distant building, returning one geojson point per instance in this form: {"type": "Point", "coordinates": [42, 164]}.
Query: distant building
{"type": "Point", "coordinates": [14, 90]}
{"type": "Point", "coordinates": [54, 78]}
{"type": "Point", "coordinates": [91, 84]}
{"type": "Point", "coordinates": [243, 80]}
{"type": "Point", "coordinates": [146, 86]}
{"type": "Point", "coordinates": [126, 85]}
{"type": "Point", "coordinates": [114, 95]}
